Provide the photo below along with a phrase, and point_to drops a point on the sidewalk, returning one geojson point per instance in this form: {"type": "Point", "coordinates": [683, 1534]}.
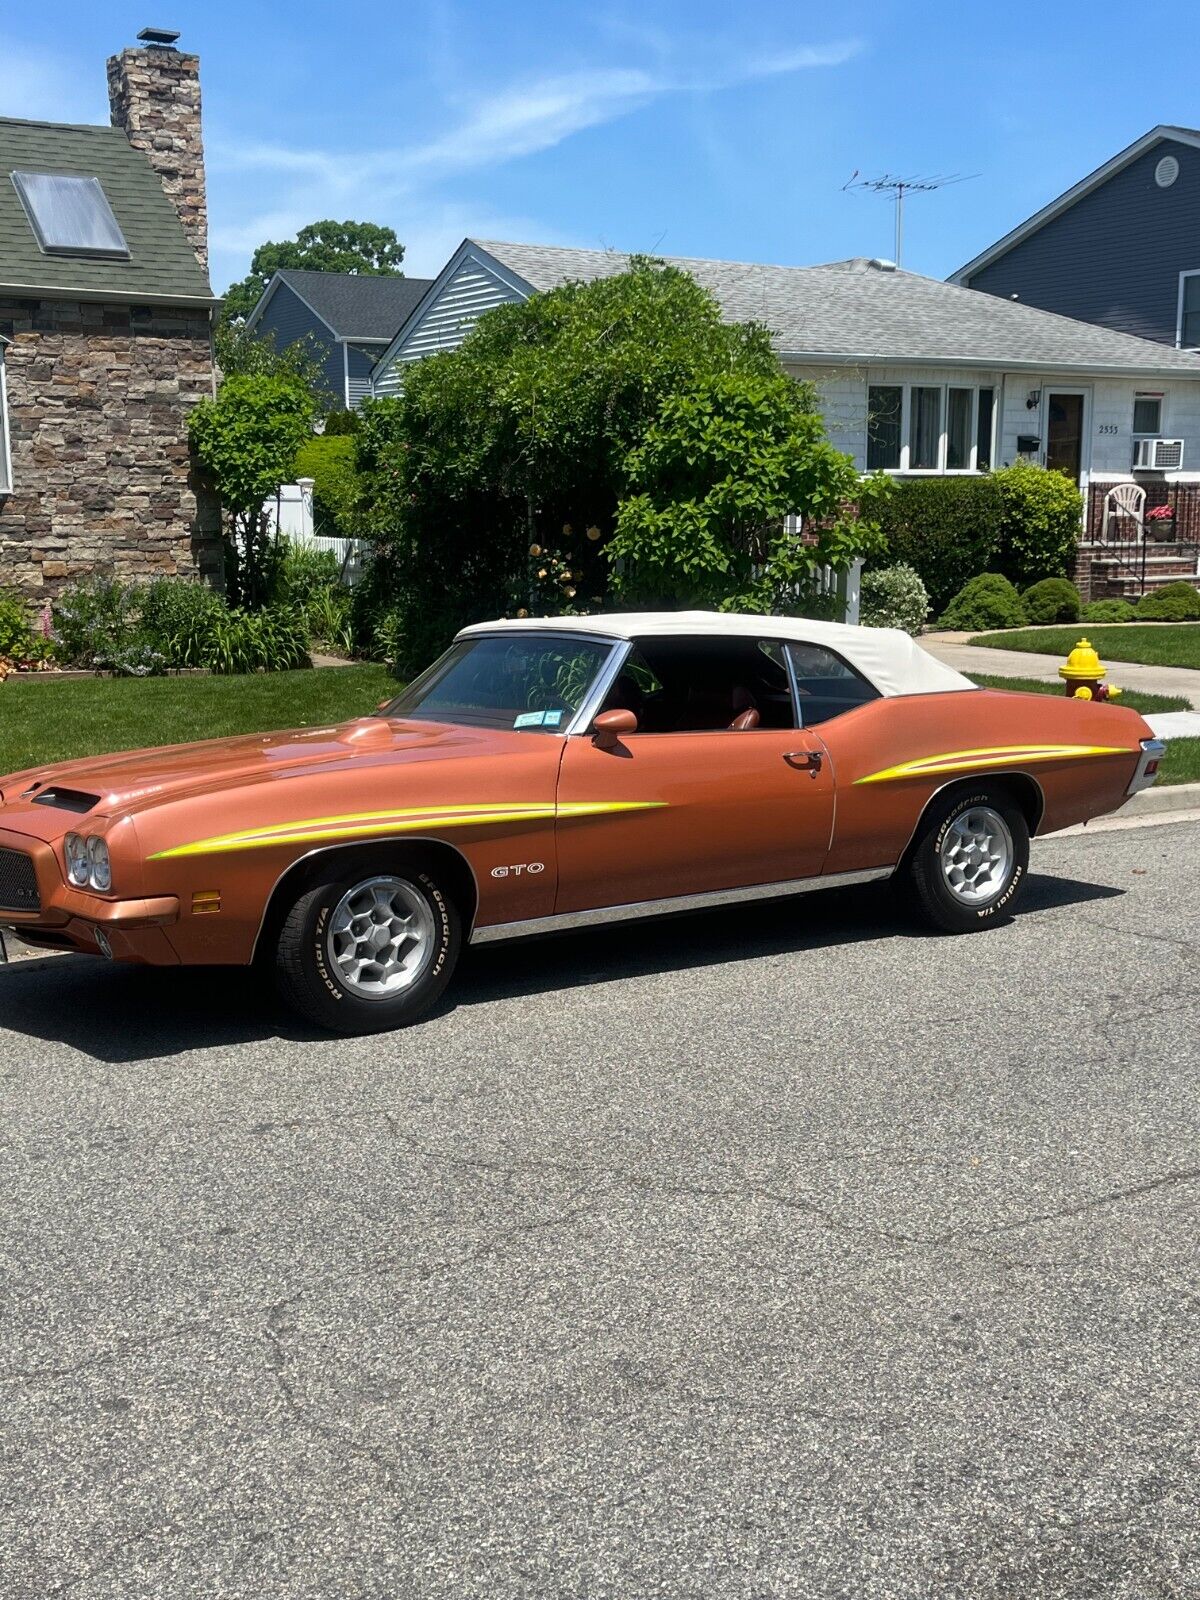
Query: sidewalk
{"type": "Point", "coordinates": [970, 659]}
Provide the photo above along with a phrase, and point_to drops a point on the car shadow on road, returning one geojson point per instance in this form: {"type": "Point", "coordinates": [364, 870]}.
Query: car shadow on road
{"type": "Point", "coordinates": [128, 1014]}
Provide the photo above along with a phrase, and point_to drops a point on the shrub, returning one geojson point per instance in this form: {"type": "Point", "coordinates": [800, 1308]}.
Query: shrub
{"type": "Point", "coordinates": [988, 601]}
{"type": "Point", "coordinates": [331, 462]}
{"type": "Point", "coordinates": [274, 639]}
{"type": "Point", "coordinates": [1051, 600]}
{"type": "Point", "coordinates": [945, 529]}
{"type": "Point", "coordinates": [1107, 611]}
{"type": "Point", "coordinates": [1174, 602]}
{"type": "Point", "coordinates": [18, 641]}
{"type": "Point", "coordinates": [339, 423]}
{"type": "Point", "coordinates": [1040, 516]}
{"type": "Point", "coordinates": [177, 618]}
{"type": "Point", "coordinates": [94, 623]}
{"type": "Point", "coordinates": [893, 597]}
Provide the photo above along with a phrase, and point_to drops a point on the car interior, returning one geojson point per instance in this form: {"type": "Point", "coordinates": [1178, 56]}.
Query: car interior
{"type": "Point", "coordinates": [700, 685]}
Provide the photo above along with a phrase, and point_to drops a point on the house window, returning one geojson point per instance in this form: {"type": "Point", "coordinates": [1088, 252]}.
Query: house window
{"type": "Point", "coordinates": [1147, 414]}
{"type": "Point", "coordinates": [959, 405]}
{"type": "Point", "coordinates": [1189, 310]}
{"type": "Point", "coordinates": [929, 427]}
{"type": "Point", "coordinates": [984, 426]}
{"type": "Point", "coordinates": [885, 406]}
{"type": "Point", "coordinates": [5, 455]}
{"type": "Point", "coordinates": [924, 427]}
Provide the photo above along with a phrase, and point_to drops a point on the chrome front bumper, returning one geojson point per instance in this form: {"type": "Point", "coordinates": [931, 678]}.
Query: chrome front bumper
{"type": "Point", "coordinates": [1146, 771]}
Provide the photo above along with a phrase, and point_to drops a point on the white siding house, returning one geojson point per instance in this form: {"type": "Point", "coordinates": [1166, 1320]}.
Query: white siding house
{"type": "Point", "coordinates": [916, 376]}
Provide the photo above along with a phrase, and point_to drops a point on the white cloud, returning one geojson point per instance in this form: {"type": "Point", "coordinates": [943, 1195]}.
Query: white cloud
{"type": "Point", "coordinates": [522, 118]}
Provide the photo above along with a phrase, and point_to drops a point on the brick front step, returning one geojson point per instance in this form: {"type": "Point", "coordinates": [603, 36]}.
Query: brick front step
{"type": "Point", "coordinates": [1116, 573]}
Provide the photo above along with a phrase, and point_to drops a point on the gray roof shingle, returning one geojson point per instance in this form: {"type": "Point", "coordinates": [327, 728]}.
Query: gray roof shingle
{"type": "Point", "coordinates": [858, 310]}
{"type": "Point", "coordinates": [357, 305]}
{"type": "Point", "coordinates": [161, 264]}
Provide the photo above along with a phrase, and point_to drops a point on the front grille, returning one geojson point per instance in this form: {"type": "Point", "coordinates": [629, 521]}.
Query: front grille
{"type": "Point", "coordinates": [18, 883]}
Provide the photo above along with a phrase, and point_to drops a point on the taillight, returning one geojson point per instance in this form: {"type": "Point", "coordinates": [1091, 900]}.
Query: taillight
{"type": "Point", "coordinates": [1151, 768]}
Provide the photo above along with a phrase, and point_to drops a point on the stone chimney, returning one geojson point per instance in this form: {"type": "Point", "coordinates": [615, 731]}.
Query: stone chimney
{"type": "Point", "coordinates": [154, 93]}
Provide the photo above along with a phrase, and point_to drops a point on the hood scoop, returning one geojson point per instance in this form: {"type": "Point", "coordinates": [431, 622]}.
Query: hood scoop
{"type": "Point", "coordinates": [64, 800]}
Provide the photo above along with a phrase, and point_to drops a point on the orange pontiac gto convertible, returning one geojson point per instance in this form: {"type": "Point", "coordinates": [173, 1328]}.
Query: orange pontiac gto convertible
{"type": "Point", "coordinates": [549, 773]}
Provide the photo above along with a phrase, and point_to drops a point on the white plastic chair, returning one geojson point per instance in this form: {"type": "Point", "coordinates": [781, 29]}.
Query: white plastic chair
{"type": "Point", "coordinates": [1127, 500]}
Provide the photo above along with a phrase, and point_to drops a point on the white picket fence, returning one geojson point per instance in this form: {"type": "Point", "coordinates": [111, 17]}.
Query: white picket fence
{"type": "Point", "coordinates": [289, 515]}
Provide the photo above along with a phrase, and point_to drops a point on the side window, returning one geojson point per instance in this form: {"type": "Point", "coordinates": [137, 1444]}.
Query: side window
{"type": "Point", "coordinates": [704, 685]}
{"type": "Point", "coordinates": [825, 684]}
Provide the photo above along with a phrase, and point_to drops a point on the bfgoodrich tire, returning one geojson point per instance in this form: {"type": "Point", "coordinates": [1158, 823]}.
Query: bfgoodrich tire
{"type": "Point", "coordinates": [970, 860]}
{"type": "Point", "coordinates": [369, 950]}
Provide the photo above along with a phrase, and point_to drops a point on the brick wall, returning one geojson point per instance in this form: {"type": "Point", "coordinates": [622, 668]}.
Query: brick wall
{"type": "Point", "coordinates": [98, 397]}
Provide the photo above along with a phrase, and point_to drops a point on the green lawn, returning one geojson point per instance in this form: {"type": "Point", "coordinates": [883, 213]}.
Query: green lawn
{"type": "Point", "coordinates": [55, 719]}
{"type": "Point", "coordinates": [1137, 702]}
{"type": "Point", "coordinates": [1158, 644]}
{"type": "Point", "coordinates": [1182, 762]}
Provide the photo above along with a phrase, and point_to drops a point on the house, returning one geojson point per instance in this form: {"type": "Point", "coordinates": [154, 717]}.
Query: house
{"type": "Point", "coordinates": [105, 333]}
{"type": "Point", "coordinates": [916, 376]}
{"type": "Point", "coordinates": [345, 319]}
{"type": "Point", "coordinates": [1121, 248]}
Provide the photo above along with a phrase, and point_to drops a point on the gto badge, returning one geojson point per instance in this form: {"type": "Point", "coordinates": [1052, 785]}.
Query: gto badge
{"type": "Point", "coordinates": [520, 867]}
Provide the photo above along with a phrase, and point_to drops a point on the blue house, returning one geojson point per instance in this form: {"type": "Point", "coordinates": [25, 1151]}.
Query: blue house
{"type": "Point", "coordinates": [345, 319]}
{"type": "Point", "coordinates": [1121, 248]}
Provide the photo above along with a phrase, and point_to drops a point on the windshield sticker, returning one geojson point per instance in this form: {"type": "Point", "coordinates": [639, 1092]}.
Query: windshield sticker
{"type": "Point", "coordinates": [538, 719]}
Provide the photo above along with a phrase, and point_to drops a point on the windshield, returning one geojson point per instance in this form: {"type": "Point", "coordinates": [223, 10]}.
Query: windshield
{"type": "Point", "coordinates": [533, 682]}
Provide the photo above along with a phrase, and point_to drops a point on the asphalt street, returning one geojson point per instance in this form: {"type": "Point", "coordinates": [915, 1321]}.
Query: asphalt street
{"type": "Point", "coordinates": [778, 1252]}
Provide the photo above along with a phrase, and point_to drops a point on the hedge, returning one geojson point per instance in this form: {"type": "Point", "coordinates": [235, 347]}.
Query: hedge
{"type": "Point", "coordinates": [946, 529]}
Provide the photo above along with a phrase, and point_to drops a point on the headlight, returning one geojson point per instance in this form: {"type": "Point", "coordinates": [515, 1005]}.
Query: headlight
{"type": "Point", "coordinates": [88, 863]}
{"type": "Point", "coordinates": [101, 866]}
{"type": "Point", "coordinates": [79, 867]}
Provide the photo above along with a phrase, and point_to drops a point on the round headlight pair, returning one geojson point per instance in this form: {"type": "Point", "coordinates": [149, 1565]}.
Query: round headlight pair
{"type": "Point", "coordinates": [88, 863]}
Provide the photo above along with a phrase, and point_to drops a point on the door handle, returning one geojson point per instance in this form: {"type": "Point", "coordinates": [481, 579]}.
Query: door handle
{"type": "Point", "coordinates": [810, 759]}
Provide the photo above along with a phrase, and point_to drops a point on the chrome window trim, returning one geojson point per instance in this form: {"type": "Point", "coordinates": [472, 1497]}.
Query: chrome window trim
{"type": "Point", "coordinates": [609, 673]}
{"type": "Point", "coordinates": [635, 910]}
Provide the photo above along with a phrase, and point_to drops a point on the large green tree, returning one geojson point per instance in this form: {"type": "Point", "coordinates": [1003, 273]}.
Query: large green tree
{"type": "Point", "coordinates": [360, 247]}
{"type": "Point", "coordinates": [708, 517]}
{"type": "Point", "coordinates": [517, 442]}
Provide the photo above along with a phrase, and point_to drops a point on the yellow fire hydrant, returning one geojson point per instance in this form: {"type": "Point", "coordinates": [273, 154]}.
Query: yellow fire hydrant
{"type": "Point", "coordinates": [1084, 674]}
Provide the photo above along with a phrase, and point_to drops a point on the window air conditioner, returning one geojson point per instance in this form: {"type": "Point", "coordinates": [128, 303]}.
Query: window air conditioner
{"type": "Point", "coordinates": [1157, 455]}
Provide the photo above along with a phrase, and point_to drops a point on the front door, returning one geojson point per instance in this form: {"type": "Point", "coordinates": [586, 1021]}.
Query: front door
{"type": "Point", "coordinates": [1064, 433]}
{"type": "Point", "coordinates": [688, 804]}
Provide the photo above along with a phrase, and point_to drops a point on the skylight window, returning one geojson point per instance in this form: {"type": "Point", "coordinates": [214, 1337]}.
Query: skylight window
{"type": "Point", "coordinates": [69, 215]}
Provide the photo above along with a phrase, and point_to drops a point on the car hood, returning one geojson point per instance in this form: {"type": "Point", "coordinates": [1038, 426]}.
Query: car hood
{"type": "Point", "coordinates": [49, 801]}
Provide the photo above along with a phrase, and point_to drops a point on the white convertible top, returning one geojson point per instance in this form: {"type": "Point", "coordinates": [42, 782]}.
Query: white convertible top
{"type": "Point", "coordinates": [886, 657]}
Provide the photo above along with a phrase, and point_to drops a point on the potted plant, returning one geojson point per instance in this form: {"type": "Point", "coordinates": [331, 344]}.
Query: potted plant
{"type": "Point", "coordinates": [1160, 524]}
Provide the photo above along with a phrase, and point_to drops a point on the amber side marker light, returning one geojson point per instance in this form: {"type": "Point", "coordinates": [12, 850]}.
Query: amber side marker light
{"type": "Point", "coordinates": [206, 902]}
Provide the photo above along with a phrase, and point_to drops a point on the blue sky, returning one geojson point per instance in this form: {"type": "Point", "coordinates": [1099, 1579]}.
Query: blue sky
{"type": "Point", "coordinates": [682, 126]}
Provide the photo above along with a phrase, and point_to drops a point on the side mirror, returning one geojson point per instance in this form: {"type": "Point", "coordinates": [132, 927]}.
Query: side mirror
{"type": "Point", "coordinates": [610, 727]}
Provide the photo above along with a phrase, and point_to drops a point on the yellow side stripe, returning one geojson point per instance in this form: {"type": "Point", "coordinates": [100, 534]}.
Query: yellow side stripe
{"type": "Point", "coordinates": [408, 819]}
{"type": "Point", "coordinates": [990, 756]}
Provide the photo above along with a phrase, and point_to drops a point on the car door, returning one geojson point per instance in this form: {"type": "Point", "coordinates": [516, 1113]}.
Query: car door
{"type": "Point", "coordinates": [687, 805]}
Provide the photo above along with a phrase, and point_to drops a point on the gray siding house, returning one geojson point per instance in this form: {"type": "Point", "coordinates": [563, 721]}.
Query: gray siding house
{"type": "Point", "coordinates": [345, 319]}
{"type": "Point", "coordinates": [1121, 248]}
{"type": "Point", "coordinates": [916, 377]}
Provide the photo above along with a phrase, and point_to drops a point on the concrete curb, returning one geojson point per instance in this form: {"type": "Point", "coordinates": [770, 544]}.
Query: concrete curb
{"type": "Point", "coordinates": [1162, 799]}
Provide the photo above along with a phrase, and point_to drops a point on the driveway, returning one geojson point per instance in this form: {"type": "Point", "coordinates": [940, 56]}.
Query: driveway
{"type": "Point", "coordinates": [786, 1252]}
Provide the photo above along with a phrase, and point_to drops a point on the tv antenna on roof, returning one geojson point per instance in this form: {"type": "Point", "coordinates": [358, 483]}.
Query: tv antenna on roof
{"type": "Point", "coordinates": [899, 187]}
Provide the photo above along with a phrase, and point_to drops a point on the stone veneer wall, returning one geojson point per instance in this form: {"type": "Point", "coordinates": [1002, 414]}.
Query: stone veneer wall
{"type": "Point", "coordinates": [154, 97]}
{"type": "Point", "coordinates": [98, 397]}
